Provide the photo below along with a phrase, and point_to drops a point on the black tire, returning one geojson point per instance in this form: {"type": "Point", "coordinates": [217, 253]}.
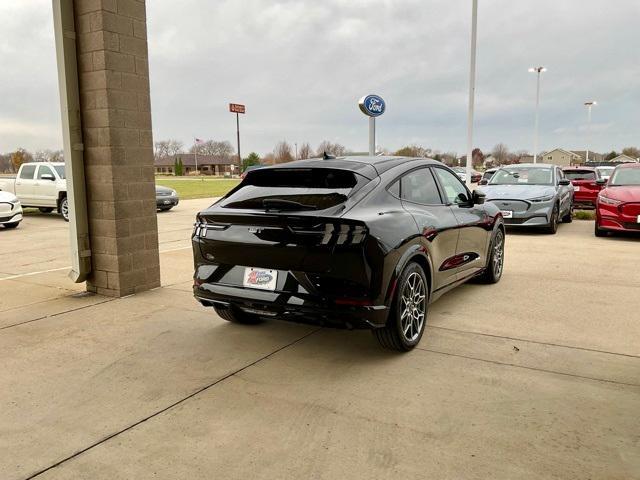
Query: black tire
{"type": "Point", "coordinates": [568, 217]}
{"type": "Point", "coordinates": [165, 209]}
{"type": "Point", "coordinates": [11, 225]}
{"type": "Point", "coordinates": [552, 228]}
{"type": "Point", "coordinates": [235, 315]}
{"type": "Point", "coordinates": [63, 209]}
{"type": "Point", "coordinates": [495, 262]}
{"type": "Point", "coordinates": [404, 329]}
{"type": "Point", "coordinates": [45, 209]}
{"type": "Point", "coordinates": [598, 231]}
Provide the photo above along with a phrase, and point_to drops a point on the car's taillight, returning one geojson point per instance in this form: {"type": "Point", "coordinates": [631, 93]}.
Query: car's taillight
{"type": "Point", "coordinates": [344, 234]}
{"type": "Point", "coordinates": [201, 226]}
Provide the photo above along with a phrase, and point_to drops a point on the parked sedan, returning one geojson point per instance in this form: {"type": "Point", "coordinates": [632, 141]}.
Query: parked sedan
{"type": "Point", "coordinates": [618, 204]}
{"type": "Point", "coordinates": [166, 198]}
{"type": "Point", "coordinates": [356, 242]}
{"type": "Point", "coordinates": [531, 195]}
{"type": "Point", "coordinates": [462, 174]}
{"type": "Point", "coordinates": [486, 176]}
{"type": "Point", "coordinates": [585, 186]}
{"type": "Point", "coordinates": [604, 172]}
{"type": "Point", "coordinates": [10, 210]}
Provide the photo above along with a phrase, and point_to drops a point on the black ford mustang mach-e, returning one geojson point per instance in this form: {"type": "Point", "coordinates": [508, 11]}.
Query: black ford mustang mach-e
{"type": "Point", "coordinates": [357, 242]}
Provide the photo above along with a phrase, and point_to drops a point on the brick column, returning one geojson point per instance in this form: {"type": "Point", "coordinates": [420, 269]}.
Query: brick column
{"type": "Point", "coordinates": [113, 71]}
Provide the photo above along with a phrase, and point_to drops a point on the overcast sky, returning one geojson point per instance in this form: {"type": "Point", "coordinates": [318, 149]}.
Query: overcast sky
{"type": "Point", "coordinates": [300, 67]}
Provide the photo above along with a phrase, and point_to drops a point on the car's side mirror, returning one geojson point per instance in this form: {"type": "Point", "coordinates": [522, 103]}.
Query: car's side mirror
{"type": "Point", "coordinates": [484, 181]}
{"type": "Point", "coordinates": [48, 176]}
{"type": "Point", "coordinates": [601, 181]}
{"type": "Point", "coordinates": [478, 197]}
{"type": "Point", "coordinates": [564, 181]}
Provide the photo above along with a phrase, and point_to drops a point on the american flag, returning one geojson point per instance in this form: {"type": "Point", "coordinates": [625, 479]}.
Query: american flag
{"type": "Point", "coordinates": [199, 141]}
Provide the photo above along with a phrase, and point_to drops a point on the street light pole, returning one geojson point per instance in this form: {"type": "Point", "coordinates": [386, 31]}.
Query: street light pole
{"type": "Point", "coordinates": [589, 105]}
{"type": "Point", "coordinates": [538, 70]}
{"type": "Point", "coordinates": [472, 89]}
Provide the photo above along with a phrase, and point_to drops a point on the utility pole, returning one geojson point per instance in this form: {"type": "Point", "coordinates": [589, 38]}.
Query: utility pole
{"type": "Point", "coordinates": [538, 70]}
{"type": "Point", "coordinates": [237, 109]}
{"type": "Point", "coordinates": [472, 89]}
{"type": "Point", "coordinates": [589, 105]}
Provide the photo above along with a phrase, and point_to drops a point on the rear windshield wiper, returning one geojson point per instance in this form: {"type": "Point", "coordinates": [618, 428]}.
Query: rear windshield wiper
{"type": "Point", "coordinates": [280, 204]}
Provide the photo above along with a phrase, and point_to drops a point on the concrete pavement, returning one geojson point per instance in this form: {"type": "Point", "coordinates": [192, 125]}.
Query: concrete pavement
{"type": "Point", "coordinates": [535, 377]}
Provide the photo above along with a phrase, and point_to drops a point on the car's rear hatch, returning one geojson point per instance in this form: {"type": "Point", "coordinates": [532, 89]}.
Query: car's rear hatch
{"type": "Point", "coordinates": [288, 220]}
{"type": "Point", "coordinates": [584, 184]}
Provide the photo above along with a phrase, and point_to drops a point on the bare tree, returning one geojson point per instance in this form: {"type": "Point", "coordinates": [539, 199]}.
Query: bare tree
{"type": "Point", "coordinates": [47, 155]}
{"type": "Point", "coordinates": [414, 151]}
{"type": "Point", "coordinates": [632, 152]}
{"type": "Point", "coordinates": [500, 153]}
{"type": "Point", "coordinates": [167, 148]}
{"type": "Point", "coordinates": [269, 159]}
{"type": "Point", "coordinates": [213, 147]}
{"type": "Point", "coordinates": [449, 158]}
{"type": "Point", "coordinates": [5, 163]}
{"type": "Point", "coordinates": [283, 152]}
{"type": "Point", "coordinates": [305, 151]}
{"type": "Point", "coordinates": [334, 149]}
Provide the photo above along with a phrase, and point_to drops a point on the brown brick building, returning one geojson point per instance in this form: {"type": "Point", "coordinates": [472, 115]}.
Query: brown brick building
{"type": "Point", "coordinates": [207, 164]}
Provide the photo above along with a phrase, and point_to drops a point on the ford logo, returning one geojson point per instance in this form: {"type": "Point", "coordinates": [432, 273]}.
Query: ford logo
{"type": "Point", "coordinates": [372, 105]}
{"type": "Point", "coordinates": [257, 277]}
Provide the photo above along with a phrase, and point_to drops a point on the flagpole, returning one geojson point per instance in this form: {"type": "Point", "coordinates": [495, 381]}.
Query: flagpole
{"type": "Point", "coordinates": [195, 154]}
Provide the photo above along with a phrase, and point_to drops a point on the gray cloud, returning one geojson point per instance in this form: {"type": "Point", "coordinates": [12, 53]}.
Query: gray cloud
{"type": "Point", "coordinates": [300, 67]}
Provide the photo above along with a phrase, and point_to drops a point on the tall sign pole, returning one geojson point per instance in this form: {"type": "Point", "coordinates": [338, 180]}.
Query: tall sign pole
{"type": "Point", "coordinates": [373, 106]}
{"type": "Point", "coordinates": [472, 89]}
{"type": "Point", "coordinates": [238, 108]}
{"type": "Point", "coordinates": [539, 71]}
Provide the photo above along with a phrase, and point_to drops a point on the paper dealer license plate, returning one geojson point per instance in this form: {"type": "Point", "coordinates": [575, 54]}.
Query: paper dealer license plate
{"type": "Point", "coordinates": [261, 278]}
{"type": "Point", "coordinates": [507, 213]}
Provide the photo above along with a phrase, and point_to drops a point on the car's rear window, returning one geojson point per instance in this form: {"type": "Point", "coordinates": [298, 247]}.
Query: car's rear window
{"type": "Point", "coordinates": [580, 174]}
{"type": "Point", "coordinates": [293, 189]}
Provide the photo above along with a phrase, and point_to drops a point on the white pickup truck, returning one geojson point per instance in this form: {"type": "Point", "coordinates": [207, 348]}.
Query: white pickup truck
{"type": "Point", "coordinates": [41, 185]}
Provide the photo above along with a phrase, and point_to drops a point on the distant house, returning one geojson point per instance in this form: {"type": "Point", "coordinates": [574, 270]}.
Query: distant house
{"type": "Point", "coordinates": [593, 156]}
{"type": "Point", "coordinates": [562, 158]}
{"type": "Point", "coordinates": [623, 159]}
{"type": "Point", "coordinates": [207, 164]}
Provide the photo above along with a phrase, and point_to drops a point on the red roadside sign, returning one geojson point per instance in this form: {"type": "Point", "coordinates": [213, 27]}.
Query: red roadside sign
{"type": "Point", "coordinates": [236, 108]}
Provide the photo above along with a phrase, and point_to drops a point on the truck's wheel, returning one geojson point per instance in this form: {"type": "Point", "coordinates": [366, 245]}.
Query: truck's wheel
{"type": "Point", "coordinates": [64, 209]}
{"type": "Point", "coordinates": [408, 314]}
{"type": "Point", "coordinates": [46, 209]}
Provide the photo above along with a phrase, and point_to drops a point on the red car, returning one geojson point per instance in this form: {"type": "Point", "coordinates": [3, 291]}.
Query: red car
{"type": "Point", "coordinates": [618, 204]}
{"type": "Point", "coordinates": [585, 185]}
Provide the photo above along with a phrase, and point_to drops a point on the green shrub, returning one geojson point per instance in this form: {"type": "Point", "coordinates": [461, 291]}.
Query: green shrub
{"type": "Point", "coordinates": [584, 215]}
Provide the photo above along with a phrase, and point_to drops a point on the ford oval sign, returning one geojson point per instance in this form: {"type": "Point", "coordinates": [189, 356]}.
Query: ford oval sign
{"type": "Point", "coordinates": [372, 105]}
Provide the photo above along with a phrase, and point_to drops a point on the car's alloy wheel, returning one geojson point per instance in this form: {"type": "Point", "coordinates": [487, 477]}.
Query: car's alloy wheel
{"type": "Point", "coordinates": [408, 314]}
{"type": "Point", "coordinates": [495, 263]}
{"type": "Point", "coordinates": [413, 307]}
{"type": "Point", "coordinates": [64, 209]}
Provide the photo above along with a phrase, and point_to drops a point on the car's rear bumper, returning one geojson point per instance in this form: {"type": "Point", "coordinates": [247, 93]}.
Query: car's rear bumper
{"type": "Point", "coordinates": [296, 307]}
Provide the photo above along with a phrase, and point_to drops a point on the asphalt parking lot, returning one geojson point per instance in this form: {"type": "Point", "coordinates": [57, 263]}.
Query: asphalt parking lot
{"type": "Point", "coordinates": [536, 377]}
